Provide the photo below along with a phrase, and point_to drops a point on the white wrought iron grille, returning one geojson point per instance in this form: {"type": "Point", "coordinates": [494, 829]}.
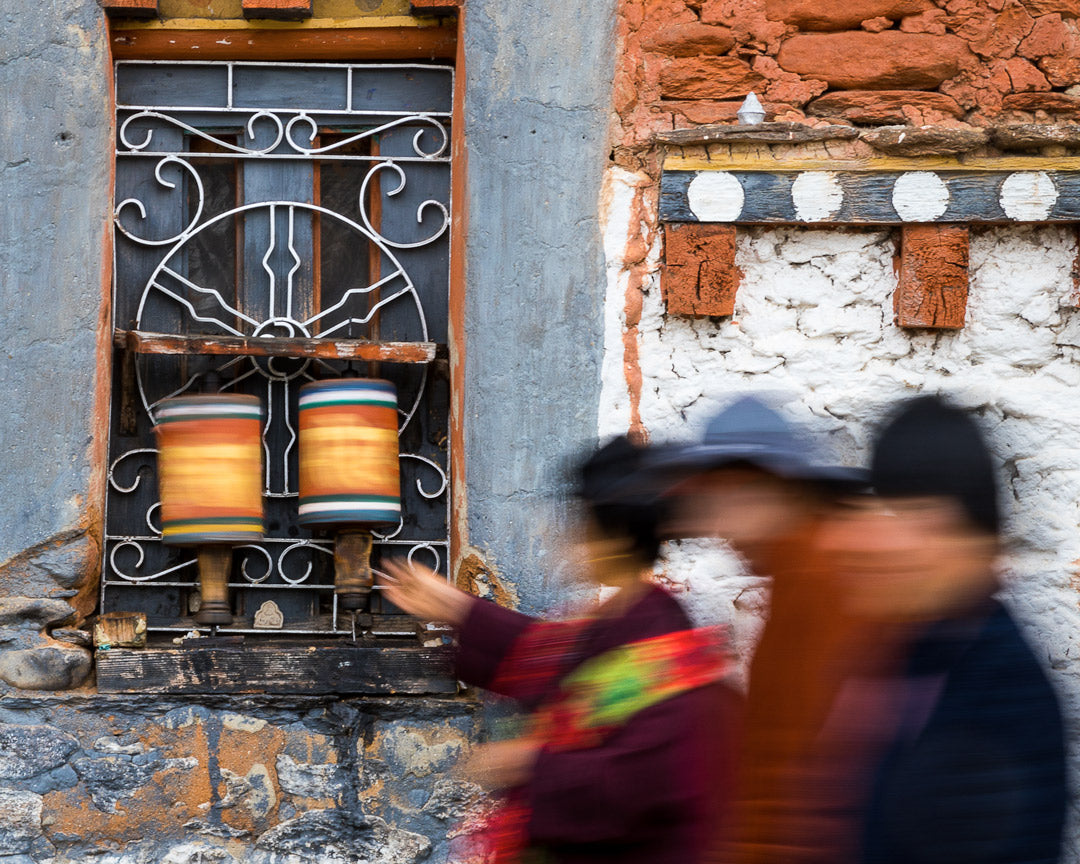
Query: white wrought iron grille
{"type": "Point", "coordinates": [276, 224]}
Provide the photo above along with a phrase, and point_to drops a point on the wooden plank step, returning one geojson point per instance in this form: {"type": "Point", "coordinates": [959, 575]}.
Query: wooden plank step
{"type": "Point", "coordinates": [142, 342]}
{"type": "Point", "coordinates": [345, 667]}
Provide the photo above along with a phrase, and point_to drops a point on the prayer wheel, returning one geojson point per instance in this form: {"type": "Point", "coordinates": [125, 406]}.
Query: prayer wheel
{"type": "Point", "coordinates": [210, 480]}
{"type": "Point", "coordinates": [349, 476]}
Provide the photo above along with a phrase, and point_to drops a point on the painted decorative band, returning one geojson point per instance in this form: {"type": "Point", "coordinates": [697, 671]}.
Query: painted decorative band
{"type": "Point", "coordinates": [869, 197]}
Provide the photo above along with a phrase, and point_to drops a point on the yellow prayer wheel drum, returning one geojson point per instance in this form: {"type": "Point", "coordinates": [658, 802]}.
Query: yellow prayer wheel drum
{"type": "Point", "coordinates": [210, 469]}
{"type": "Point", "coordinates": [349, 453]}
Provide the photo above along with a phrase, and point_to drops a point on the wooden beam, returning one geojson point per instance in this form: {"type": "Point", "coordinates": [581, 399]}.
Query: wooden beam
{"type": "Point", "coordinates": [283, 667]}
{"type": "Point", "coordinates": [141, 342]}
{"type": "Point", "coordinates": [699, 277]}
{"type": "Point", "coordinates": [282, 10]}
{"type": "Point", "coordinates": [933, 288]}
{"type": "Point", "coordinates": [130, 8]}
{"type": "Point", "coordinates": [893, 197]}
{"type": "Point", "coordinates": [434, 7]}
{"type": "Point", "coordinates": [786, 133]}
{"type": "Point", "coordinates": [368, 43]}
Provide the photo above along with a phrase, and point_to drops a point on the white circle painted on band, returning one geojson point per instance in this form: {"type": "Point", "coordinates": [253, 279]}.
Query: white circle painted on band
{"type": "Point", "coordinates": [920, 196]}
{"type": "Point", "coordinates": [817, 195]}
{"type": "Point", "coordinates": [716, 196]}
{"type": "Point", "coordinates": [1028, 196]}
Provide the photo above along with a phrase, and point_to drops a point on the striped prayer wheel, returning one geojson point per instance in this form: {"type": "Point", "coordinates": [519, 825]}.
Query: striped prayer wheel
{"type": "Point", "coordinates": [349, 474]}
{"type": "Point", "coordinates": [210, 480]}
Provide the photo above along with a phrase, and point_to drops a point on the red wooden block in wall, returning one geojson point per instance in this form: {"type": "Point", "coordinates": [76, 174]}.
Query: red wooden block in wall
{"type": "Point", "coordinates": [699, 276]}
{"type": "Point", "coordinates": [130, 8]}
{"type": "Point", "coordinates": [434, 7]}
{"type": "Point", "coordinates": [933, 287]}
{"type": "Point", "coordinates": [287, 10]}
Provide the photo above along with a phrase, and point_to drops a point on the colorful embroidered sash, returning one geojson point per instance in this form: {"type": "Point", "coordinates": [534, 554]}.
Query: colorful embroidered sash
{"type": "Point", "coordinates": [592, 701]}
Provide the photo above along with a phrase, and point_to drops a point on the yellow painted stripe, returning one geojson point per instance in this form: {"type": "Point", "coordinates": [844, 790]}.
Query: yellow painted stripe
{"type": "Point", "coordinates": [265, 24]}
{"type": "Point", "coordinates": [735, 162]}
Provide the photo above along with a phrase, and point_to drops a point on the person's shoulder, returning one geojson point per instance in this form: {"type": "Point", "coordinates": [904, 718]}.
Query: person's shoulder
{"type": "Point", "coordinates": [660, 612]}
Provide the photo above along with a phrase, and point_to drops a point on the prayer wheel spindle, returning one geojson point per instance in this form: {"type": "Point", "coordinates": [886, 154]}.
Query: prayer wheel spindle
{"type": "Point", "coordinates": [349, 475]}
{"type": "Point", "coordinates": [210, 479]}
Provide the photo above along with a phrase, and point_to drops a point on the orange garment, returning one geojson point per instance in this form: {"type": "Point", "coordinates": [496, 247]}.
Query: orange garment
{"type": "Point", "coordinates": [809, 644]}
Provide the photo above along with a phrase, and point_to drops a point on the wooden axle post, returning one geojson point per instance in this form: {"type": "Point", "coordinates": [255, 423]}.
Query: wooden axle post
{"type": "Point", "coordinates": [352, 568]}
{"type": "Point", "coordinates": [215, 562]}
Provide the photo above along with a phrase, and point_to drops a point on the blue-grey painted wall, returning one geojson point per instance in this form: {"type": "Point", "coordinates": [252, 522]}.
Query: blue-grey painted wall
{"type": "Point", "coordinates": [54, 185]}
{"type": "Point", "coordinates": [536, 117]}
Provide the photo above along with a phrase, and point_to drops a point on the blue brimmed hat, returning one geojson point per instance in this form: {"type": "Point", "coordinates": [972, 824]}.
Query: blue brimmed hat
{"type": "Point", "coordinates": [750, 432]}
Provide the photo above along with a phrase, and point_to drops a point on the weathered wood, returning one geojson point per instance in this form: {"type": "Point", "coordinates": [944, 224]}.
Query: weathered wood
{"type": "Point", "coordinates": [316, 43]}
{"type": "Point", "coordinates": [1033, 136]}
{"type": "Point", "coordinates": [353, 667]}
{"type": "Point", "coordinates": [761, 133]}
{"type": "Point", "coordinates": [141, 342]}
{"type": "Point", "coordinates": [738, 196]}
{"type": "Point", "coordinates": [130, 8]}
{"type": "Point", "coordinates": [933, 285]}
{"type": "Point", "coordinates": [969, 164]}
{"type": "Point", "coordinates": [434, 7]}
{"type": "Point", "coordinates": [285, 10]}
{"type": "Point", "coordinates": [120, 630]}
{"type": "Point", "coordinates": [699, 277]}
{"type": "Point", "coordinates": [924, 140]}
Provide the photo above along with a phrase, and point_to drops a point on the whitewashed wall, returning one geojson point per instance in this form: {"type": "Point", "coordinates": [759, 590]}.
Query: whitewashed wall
{"type": "Point", "coordinates": [813, 325]}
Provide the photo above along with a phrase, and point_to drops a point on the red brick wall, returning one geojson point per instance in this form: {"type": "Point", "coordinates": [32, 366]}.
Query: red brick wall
{"type": "Point", "coordinates": [867, 62]}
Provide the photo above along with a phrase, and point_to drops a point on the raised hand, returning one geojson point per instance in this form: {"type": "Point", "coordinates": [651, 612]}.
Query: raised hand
{"type": "Point", "coordinates": [422, 592]}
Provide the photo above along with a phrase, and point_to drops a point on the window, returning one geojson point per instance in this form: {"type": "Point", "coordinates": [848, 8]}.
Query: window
{"type": "Point", "coordinates": [276, 224]}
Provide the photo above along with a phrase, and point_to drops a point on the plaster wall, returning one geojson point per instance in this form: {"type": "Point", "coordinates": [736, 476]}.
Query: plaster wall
{"type": "Point", "coordinates": [54, 185]}
{"type": "Point", "coordinates": [536, 114]}
{"type": "Point", "coordinates": [813, 327]}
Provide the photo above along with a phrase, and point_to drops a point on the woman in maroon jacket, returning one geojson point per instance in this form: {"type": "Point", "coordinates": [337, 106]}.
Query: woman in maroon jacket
{"type": "Point", "coordinates": [625, 755]}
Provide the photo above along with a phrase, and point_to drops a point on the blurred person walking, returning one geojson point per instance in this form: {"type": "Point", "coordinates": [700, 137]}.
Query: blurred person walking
{"type": "Point", "coordinates": [626, 753]}
{"type": "Point", "coordinates": [755, 481]}
{"type": "Point", "coordinates": [954, 752]}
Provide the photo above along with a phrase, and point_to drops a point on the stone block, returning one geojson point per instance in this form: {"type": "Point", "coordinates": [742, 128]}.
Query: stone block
{"type": "Point", "coordinates": [840, 14]}
{"type": "Point", "coordinates": [27, 750]}
{"type": "Point", "coordinates": [1065, 8]}
{"type": "Point", "coordinates": [286, 10]}
{"type": "Point", "coordinates": [20, 820]}
{"type": "Point", "coordinates": [55, 666]}
{"type": "Point", "coordinates": [130, 8]}
{"type": "Point", "coordinates": [708, 78]}
{"type": "Point", "coordinates": [39, 611]}
{"type": "Point", "coordinates": [882, 107]}
{"type": "Point", "coordinates": [699, 277]}
{"type": "Point", "coordinates": [933, 286]}
{"type": "Point", "coordinates": [1057, 104]}
{"type": "Point", "coordinates": [68, 560]}
{"type": "Point", "coordinates": [346, 835]}
{"type": "Point", "coordinates": [690, 40]}
{"type": "Point", "coordinates": [892, 60]}
{"type": "Point", "coordinates": [924, 140]}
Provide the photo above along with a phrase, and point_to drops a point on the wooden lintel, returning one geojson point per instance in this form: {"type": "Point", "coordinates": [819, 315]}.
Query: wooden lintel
{"type": "Point", "coordinates": [377, 669]}
{"type": "Point", "coordinates": [130, 8]}
{"type": "Point", "coordinates": [769, 133]}
{"type": "Point", "coordinates": [140, 342]}
{"type": "Point", "coordinates": [282, 10]}
{"type": "Point", "coordinates": [308, 43]}
{"type": "Point", "coordinates": [434, 7]}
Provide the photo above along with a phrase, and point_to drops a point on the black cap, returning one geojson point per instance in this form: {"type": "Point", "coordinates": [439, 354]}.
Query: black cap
{"type": "Point", "coordinates": [931, 448]}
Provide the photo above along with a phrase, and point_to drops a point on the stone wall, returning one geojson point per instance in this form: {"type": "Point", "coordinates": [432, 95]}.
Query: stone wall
{"type": "Point", "coordinates": [147, 780]}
